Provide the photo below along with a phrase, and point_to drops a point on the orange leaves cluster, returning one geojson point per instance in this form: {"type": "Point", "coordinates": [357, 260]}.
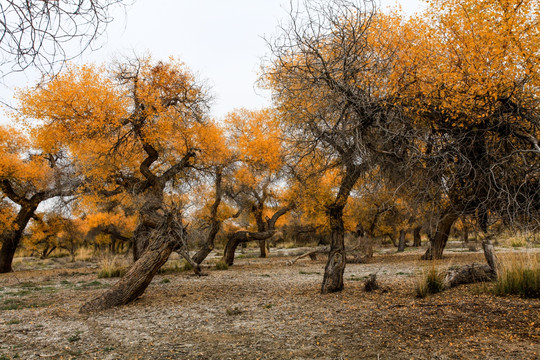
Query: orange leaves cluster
{"type": "Point", "coordinates": [104, 117]}
{"type": "Point", "coordinates": [19, 162]}
{"type": "Point", "coordinates": [471, 54]}
{"type": "Point", "coordinates": [255, 139]}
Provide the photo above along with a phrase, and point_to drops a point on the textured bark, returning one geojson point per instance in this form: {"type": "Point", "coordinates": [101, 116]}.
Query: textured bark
{"type": "Point", "coordinates": [239, 237]}
{"type": "Point", "coordinates": [337, 258]}
{"type": "Point", "coordinates": [437, 243]}
{"type": "Point", "coordinates": [135, 281]}
{"type": "Point", "coordinates": [489, 254]}
{"type": "Point", "coordinates": [469, 274]}
{"type": "Point", "coordinates": [12, 237]}
{"type": "Point", "coordinates": [335, 266]}
{"type": "Point", "coordinates": [150, 216]}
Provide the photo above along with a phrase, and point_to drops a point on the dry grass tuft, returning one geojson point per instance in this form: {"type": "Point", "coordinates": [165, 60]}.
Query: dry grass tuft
{"type": "Point", "coordinates": [112, 266]}
{"type": "Point", "coordinates": [519, 274]}
{"type": "Point", "coordinates": [431, 281]}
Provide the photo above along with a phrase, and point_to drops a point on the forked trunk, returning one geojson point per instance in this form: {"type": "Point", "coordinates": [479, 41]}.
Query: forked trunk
{"type": "Point", "coordinates": [239, 237]}
{"type": "Point", "coordinates": [438, 242]}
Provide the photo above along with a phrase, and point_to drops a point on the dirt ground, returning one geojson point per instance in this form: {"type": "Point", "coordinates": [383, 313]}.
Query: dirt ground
{"type": "Point", "coordinates": [263, 309]}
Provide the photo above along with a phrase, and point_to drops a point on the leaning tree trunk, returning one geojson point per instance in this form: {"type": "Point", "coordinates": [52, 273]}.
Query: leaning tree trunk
{"type": "Point", "coordinates": [11, 238]}
{"type": "Point", "coordinates": [437, 243]}
{"type": "Point", "coordinates": [166, 238]}
{"type": "Point", "coordinates": [239, 237]}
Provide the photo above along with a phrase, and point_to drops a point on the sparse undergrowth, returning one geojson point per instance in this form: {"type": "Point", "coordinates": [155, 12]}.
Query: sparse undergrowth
{"type": "Point", "coordinates": [431, 281]}
{"type": "Point", "coordinates": [519, 275]}
{"type": "Point", "coordinates": [221, 265]}
{"type": "Point", "coordinates": [112, 266]}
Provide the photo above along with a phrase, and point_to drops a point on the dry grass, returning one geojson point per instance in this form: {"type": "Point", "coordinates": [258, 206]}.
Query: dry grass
{"type": "Point", "coordinates": [84, 254]}
{"type": "Point", "coordinates": [112, 266]}
{"type": "Point", "coordinates": [431, 281]}
{"type": "Point", "coordinates": [519, 274]}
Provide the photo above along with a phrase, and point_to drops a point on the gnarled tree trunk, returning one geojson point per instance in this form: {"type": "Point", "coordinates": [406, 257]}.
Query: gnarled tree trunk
{"type": "Point", "coordinates": [337, 258]}
{"type": "Point", "coordinates": [437, 243]}
{"type": "Point", "coordinates": [239, 237]}
{"type": "Point", "coordinates": [167, 237]}
{"type": "Point", "coordinates": [12, 237]}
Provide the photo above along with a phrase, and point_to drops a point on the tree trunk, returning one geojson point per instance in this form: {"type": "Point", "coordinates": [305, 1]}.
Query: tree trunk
{"type": "Point", "coordinates": [417, 238]}
{"type": "Point", "coordinates": [230, 248]}
{"type": "Point", "coordinates": [167, 237]}
{"type": "Point", "coordinates": [150, 216]}
{"type": "Point", "coordinates": [263, 246]}
{"type": "Point", "coordinates": [489, 254]}
{"type": "Point", "coordinates": [11, 238]}
{"type": "Point", "coordinates": [401, 245]}
{"type": "Point", "coordinates": [135, 281]}
{"type": "Point", "coordinates": [465, 235]}
{"type": "Point", "coordinates": [438, 241]}
{"type": "Point", "coordinates": [392, 239]}
{"type": "Point", "coordinates": [7, 252]}
{"type": "Point", "coordinates": [337, 258]}
{"type": "Point", "coordinates": [335, 266]}
{"type": "Point", "coordinates": [239, 237]}
{"type": "Point", "coordinates": [47, 251]}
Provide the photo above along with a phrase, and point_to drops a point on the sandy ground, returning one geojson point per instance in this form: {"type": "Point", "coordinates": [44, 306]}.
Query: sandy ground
{"type": "Point", "coordinates": [263, 309]}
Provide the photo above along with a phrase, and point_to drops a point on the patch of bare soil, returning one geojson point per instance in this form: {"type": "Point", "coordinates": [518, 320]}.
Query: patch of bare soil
{"type": "Point", "coordinates": [261, 308]}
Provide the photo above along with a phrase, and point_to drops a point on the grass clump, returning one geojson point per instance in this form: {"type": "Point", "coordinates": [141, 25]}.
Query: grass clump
{"type": "Point", "coordinates": [519, 275]}
{"type": "Point", "coordinates": [221, 265]}
{"type": "Point", "coordinates": [110, 267]}
{"type": "Point", "coordinates": [430, 282]}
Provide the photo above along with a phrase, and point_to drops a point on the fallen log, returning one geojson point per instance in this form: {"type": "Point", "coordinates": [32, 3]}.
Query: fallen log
{"type": "Point", "coordinates": [469, 274]}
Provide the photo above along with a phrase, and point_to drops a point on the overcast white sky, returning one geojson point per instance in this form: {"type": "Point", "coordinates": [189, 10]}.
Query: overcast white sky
{"type": "Point", "coordinates": [220, 40]}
